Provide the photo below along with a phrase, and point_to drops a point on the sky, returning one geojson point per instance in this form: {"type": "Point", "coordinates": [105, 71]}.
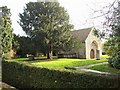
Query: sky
{"type": "Point", "coordinates": [83, 13]}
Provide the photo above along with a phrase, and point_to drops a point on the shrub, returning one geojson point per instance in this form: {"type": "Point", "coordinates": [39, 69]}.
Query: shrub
{"type": "Point", "coordinates": [23, 76]}
{"type": "Point", "coordinates": [115, 60]}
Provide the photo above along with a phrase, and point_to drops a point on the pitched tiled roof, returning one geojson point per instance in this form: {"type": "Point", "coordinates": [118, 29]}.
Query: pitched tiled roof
{"type": "Point", "coordinates": [81, 33]}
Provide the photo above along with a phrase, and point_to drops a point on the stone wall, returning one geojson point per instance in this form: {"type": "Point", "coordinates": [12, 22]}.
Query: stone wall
{"type": "Point", "coordinates": [82, 53]}
{"type": "Point", "coordinates": [91, 37]}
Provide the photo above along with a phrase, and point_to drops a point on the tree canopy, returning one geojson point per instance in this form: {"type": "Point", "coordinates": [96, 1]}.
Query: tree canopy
{"type": "Point", "coordinates": [47, 24]}
{"type": "Point", "coordinates": [6, 32]}
{"type": "Point", "coordinates": [112, 46]}
{"type": "Point", "coordinates": [23, 46]}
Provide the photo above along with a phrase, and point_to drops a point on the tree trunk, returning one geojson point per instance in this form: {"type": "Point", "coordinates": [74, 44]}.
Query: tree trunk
{"type": "Point", "coordinates": [49, 53]}
{"type": "Point", "coordinates": [44, 54]}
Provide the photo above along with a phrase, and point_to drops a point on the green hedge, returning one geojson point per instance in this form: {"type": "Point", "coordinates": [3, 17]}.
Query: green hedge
{"type": "Point", "coordinates": [24, 76]}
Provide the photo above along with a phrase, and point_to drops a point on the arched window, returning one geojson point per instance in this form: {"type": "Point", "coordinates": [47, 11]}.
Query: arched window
{"type": "Point", "coordinates": [94, 45]}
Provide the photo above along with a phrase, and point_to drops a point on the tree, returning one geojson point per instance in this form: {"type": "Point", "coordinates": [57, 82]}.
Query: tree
{"type": "Point", "coordinates": [71, 46]}
{"type": "Point", "coordinates": [47, 24]}
{"type": "Point", "coordinates": [23, 46]}
{"type": "Point", "coordinates": [15, 42]}
{"type": "Point", "coordinates": [6, 30]}
{"type": "Point", "coordinates": [113, 43]}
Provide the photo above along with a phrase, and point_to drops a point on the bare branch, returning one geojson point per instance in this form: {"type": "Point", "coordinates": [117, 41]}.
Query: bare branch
{"type": "Point", "coordinates": [111, 6]}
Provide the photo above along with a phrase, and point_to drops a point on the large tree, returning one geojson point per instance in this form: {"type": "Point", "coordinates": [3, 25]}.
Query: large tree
{"type": "Point", "coordinates": [47, 24]}
{"type": "Point", "coordinates": [112, 46]}
{"type": "Point", "coordinates": [6, 32]}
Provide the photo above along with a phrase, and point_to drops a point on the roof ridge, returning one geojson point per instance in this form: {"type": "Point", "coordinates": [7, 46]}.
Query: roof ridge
{"type": "Point", "coordinates": [85, 28]}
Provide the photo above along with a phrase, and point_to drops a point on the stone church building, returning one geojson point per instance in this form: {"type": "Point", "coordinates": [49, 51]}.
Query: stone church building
{"type": "Point", "coordinates": [92, 45]}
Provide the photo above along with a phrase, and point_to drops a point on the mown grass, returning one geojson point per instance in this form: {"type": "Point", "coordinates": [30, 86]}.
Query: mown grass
{"type": "Point", "coordinates": [36, 58]}
{"type": "Point", "coordinates": [23, 76]}
{"type": "Point", "coordinates": [105, 57]}
{"type": "Point", "coordinates": [57, 63]}
{"type": "Point", "coordinates": [61, 63]}
{"type": "Point", "coordinates": [18, 59]}
{"type": "Point", "coordinates": [105, 68]}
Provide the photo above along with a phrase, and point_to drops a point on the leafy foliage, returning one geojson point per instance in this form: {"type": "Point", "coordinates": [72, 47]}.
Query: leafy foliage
{"type": "Point", "coordinates": [71, 46]}
{"type": "Point", "coordinates": [47, 24]}
{"type": "Point", "coordinates": [6, 30]}
{"type": "Point", "coordinates": [23, 76]}
{"type": "Point", "coordinates": [23, 46]}
{"type": "Point", "coordinates": [15, 43]}
{"type": "Point", "coordinates": [98, 33]}
{"type": "Point", "coordinates": [112, 48]}
{"type": "Point", "coordinates": [115, 60]}
{"type": "Point", "coordinates": [113, 44]}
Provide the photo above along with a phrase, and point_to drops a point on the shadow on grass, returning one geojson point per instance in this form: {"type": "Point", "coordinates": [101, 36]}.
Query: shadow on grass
{"type": "Point", "coordinates": [40, 59]}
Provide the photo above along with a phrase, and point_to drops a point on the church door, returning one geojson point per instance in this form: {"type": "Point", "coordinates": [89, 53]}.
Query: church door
{"type": "Point", "coordinates": [92, 54]}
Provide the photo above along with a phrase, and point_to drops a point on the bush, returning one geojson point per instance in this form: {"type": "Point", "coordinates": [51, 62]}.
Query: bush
{"type": "Point", "coordinates": [23, 76]}
{"type": "Point", "coordinates": [115, 60]}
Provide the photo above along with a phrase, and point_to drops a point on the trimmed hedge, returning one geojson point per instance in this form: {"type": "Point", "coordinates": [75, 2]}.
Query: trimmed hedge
{"type": "Point", "coordinates": [23, 76]}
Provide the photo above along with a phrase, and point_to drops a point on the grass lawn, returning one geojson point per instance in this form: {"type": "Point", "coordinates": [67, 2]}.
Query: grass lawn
{"type": "Point", "coordinates": [22, 75]}
{"type": "Point", "coordinates": [18, 59]}
{"type": "Point", "coordinates": [36, 58]}
{"type": "Point", "coordinates": [105, 57]}
{"type": "Point", "coordinates": [57, 63]}
{"type": "Point", "coordinates": [61, 63]}
{"type": "Point", "coordinates": [105, 68]}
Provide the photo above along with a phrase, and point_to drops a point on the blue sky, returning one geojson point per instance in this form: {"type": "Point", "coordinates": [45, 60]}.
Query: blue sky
{"type": "Point", "coordinates": [82, 12]}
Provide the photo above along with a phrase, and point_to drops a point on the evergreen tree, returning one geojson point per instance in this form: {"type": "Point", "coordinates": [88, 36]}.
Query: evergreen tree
{"type": "Point", "coordinates": [47, 24]}
{"type": "Point", "coordinates": [23, 46]}
{"type": "Point", "coordinates": [6, 30]}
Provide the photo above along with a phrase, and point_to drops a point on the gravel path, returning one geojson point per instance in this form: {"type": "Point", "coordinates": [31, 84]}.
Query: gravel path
{"type": "Point", "coordinates": [94, 71]}
{"type": "Point", "coordinates": [84, 68]}
{"type": "Point", "coordinates": [87, 66]}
